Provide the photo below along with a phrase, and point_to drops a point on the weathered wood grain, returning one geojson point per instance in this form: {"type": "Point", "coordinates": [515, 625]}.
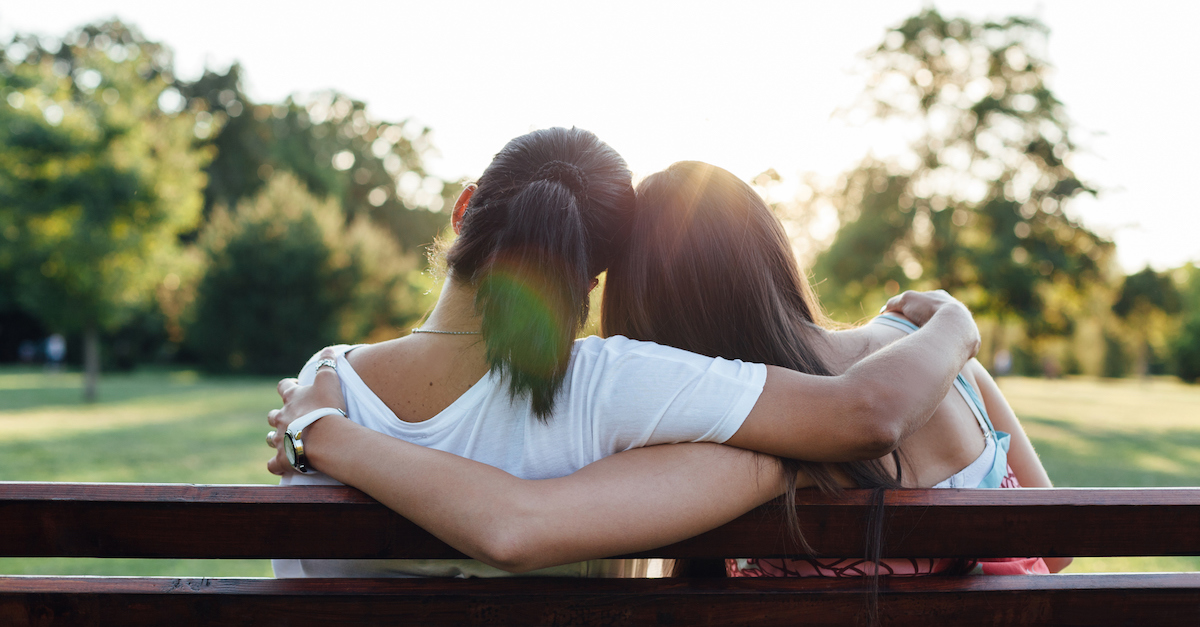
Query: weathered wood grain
{"type": "Point", "coordinates": [1094, 600]}
{"type": "Point", "coordinates": [186, 521]}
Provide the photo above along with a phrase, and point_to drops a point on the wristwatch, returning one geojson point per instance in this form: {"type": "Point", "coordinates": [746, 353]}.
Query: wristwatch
{"type": "Point", "coordinates": [294, 446]}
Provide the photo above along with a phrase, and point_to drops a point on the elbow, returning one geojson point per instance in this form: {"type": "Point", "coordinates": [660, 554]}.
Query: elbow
{"type": "Point", "coordinates": [509, 550]}
{"type": "Point", "coordinates": [879, 442]}
{"type": "Point", "coordinates": [880, 430]}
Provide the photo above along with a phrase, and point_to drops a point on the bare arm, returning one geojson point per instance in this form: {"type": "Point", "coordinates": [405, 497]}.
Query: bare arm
{"type": "Point", "coordinates": [618, 506]}
{"type": "Point", "coordinates": [1021, 456]}
{"type": "Point", "coordinates": [865, 412]}
{"type": "Point", "coordinates": [631, 501]}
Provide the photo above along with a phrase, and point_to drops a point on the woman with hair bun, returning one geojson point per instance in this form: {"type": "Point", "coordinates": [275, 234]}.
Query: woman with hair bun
{"type": "Point", "coordinates": [496, 375]}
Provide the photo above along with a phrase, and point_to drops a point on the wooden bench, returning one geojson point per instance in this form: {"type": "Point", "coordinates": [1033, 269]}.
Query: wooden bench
{"type": "Point", "coordinates": [192, 521]}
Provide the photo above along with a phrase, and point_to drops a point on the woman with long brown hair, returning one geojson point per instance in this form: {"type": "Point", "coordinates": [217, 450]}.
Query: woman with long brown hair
{"type": "Point", "coordinates": [709, 269]}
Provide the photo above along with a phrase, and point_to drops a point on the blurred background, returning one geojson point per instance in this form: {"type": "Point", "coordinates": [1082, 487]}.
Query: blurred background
{"type": "Point", "coordinates": [194, 199]}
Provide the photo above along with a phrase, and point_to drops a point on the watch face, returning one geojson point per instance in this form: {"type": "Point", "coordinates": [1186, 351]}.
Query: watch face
{"type": "Point", "coordinates": [290, 449]}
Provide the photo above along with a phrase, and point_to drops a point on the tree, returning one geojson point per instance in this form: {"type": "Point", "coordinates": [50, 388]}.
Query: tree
{"type": "Point", "coordinates": [331, 143]}
{"type": "Point", "coordinates": [1185, 346]}
{"type": "Point", "coordinates": [1147, 302]}
{"type": "Point", "coordinates": [98, 177]}
{"type": "Point", "coordinates": [286, 276]}
{"type": "Point", "coordinates": [977, 203]}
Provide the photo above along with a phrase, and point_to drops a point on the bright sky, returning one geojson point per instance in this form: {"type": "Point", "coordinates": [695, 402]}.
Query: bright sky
{"type": "Point", "coordinates": [747, 85]}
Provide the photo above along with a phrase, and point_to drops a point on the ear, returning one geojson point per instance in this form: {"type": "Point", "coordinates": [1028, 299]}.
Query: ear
{"type": "Point", "coordinates": [460, 207]}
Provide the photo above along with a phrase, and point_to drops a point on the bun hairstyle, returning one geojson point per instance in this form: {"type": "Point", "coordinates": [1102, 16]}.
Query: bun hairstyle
{"type": "Point", "coordinates": [548, 216]}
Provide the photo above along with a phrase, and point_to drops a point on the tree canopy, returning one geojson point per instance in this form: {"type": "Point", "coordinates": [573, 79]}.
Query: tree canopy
{"type": "Point", "coordinates": [286, 276]}
{"type": "Point", "coordinates": [97, 176]}
{"type": "Point", "coordinates": [330, 142]}
{"type": "Point", "coordinates": [978, 202]}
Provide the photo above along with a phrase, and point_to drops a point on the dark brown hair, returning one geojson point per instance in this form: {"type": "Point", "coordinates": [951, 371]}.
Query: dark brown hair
{"type": "Point", "coordinates": [709, 269]}
{"type": "Point", "coordinates": [549, 215]}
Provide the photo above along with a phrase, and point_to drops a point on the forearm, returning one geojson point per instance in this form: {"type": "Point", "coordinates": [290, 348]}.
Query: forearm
{"type": "Point", "coordinates": [631, 501]}
{"type": "Point", "coordinates": [865, 412]}
{"type": "Point", "coordinates": [911, 377]}
{"type": "Point", "coordinates": [454, 502]}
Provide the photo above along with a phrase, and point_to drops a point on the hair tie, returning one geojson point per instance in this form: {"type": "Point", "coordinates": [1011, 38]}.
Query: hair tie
{"type": "Point", "coordinates": [569, 174]}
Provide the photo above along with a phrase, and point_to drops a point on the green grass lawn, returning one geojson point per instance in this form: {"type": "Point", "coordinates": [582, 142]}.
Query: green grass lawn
{"type": "Point", "coordinates": [179, 427]}
{"type": "Point", "coordinates": [1104, 432]}
{"type": "Point", "coordinates": [152, 427]}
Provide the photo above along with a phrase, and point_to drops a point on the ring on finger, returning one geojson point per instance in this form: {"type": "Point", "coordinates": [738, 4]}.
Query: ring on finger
{"type": "Point", "coordinates": [271, 438]}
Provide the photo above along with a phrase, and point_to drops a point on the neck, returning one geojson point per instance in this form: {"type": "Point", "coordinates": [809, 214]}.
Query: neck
{"type": "Point", "coordinates": [455, 309]}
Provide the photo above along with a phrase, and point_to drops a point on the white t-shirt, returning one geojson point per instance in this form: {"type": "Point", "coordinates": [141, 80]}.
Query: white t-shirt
{"type": "Point", "coordinates": [619, 394]}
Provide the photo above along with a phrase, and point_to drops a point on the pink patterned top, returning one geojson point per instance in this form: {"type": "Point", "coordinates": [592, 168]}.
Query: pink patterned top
{"type": "Point", "coordinates": [891, 567]}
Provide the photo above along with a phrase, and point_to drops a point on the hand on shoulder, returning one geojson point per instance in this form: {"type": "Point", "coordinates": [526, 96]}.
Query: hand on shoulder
{"type": "Point", "coordinates": [298, 400]}
{"type": "Point", "coordinates": [920, 308]}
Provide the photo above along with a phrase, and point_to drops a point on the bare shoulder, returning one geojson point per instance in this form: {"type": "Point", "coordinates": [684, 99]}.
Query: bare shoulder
{"type": "Point", "coordinates": [364, 354]}
{"type": "Point", "coordinates": [884, 334]}
{"type": "Point", "coordinates": [851, 345]}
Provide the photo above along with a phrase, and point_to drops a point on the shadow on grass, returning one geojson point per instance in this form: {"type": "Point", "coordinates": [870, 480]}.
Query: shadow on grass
{"type": "Point", "coordinates": [1078, 455]}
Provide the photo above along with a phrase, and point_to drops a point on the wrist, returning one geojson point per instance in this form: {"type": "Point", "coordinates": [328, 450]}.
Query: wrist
{"type": "Point", "coordinates": [295, 447]}
{"type": "Point", "coordinates": [317, 439]}
{"type": "Point", "coordinates": [964, 326]}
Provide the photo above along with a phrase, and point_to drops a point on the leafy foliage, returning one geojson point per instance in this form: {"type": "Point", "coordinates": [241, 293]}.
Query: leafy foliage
{"type": "Point", "coordinates": [1145, 292]}
{"type": "Point", "coordinates": [331, 143]}
{"type": "Point", "coordinates": [286, 276]}
{"type": "Point", "coordinates": [1185, 346]}
{"type": "Point", "coordinates": [96, 179]}
{"type": "Point", "coordinates": [977, 204]}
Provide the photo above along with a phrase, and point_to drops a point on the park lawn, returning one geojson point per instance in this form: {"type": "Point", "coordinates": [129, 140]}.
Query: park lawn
{"type": "Point", "coordinates": [149, 427]}
{"type": "Point", "coordinates": [179, 427]}
{"type": "Point", "coordinates": [1105, 432]}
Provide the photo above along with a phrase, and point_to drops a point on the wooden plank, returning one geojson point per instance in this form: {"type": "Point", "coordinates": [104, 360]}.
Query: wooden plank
{"type": "Point", "coordinates": [1150, 599]}
{"type": "Point", "coordinates": [188, 521]}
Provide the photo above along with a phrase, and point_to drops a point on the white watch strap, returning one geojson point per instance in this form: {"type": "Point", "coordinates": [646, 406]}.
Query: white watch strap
{"type": "Point", "coordinates": [300, 423]}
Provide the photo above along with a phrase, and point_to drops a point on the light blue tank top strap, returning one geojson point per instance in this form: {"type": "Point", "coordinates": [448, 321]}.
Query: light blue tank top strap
{"type": "Point", "coordinates": [999, 465]}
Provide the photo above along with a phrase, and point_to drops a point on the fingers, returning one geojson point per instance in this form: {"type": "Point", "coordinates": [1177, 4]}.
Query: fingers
{"type": "Point", "coordinates": [898, 302]}
{"type": "Point", "coordinates": [274, 467]}
{"type": "Point", "coordinates": [273, 418]}
{"type": "Point", "coordinates": [286, 386]}
{"type": "Point", "coordinates": [326, 357]}
{"type": "Point", "coordinates": [327, 353]}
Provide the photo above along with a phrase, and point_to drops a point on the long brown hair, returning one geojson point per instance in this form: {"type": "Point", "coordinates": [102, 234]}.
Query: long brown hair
{"type": "Point", "coordinates": [708, 268]}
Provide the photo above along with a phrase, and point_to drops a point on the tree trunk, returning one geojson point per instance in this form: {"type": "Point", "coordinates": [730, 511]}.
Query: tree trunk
{"type": "Point", "coordinates": [91, 362]}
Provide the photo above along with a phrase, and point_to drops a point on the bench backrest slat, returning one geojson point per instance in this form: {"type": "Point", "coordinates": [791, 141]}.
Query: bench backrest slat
{"type": "Point", "coordinates": [185, 521]}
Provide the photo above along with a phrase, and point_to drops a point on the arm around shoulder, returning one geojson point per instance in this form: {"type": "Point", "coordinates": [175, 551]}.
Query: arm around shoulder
{"type": "Point", "coordinates": [631, 501]}
{"type": "Point", "coordinates": [865, 412]}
